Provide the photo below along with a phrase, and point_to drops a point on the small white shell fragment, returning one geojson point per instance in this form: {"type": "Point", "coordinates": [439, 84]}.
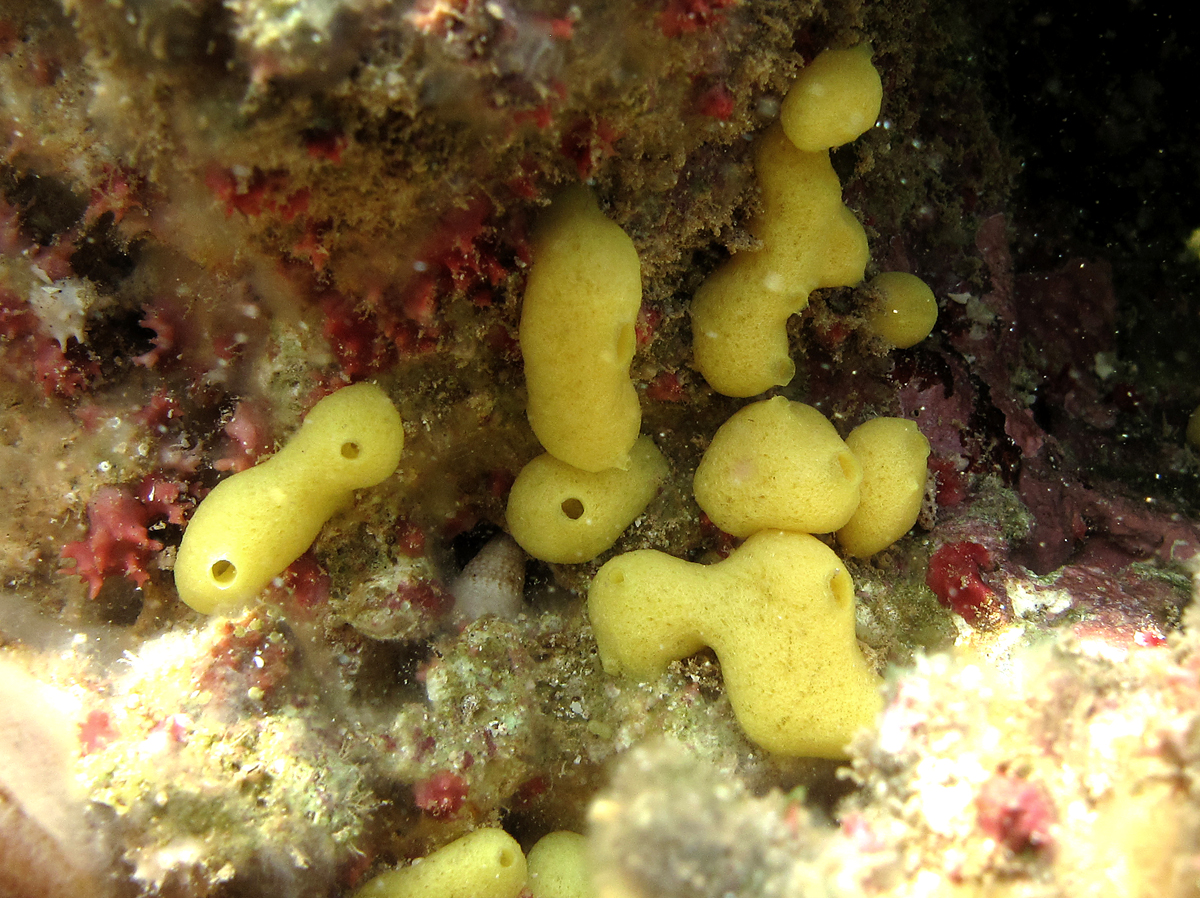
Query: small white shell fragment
{"type": "Point", "coordinates": [493, 582]}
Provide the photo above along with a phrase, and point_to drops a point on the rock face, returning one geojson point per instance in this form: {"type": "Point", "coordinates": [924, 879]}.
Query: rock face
{"type": "Point", "coordinates": [213, 214]}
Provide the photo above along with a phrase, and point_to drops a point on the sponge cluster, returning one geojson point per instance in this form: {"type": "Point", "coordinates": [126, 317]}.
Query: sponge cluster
{"type": "Point", "coordinates": [578, 315]}
{"type": "Point", "coordinates": [779, 611]}
{"type": "Point", "coordinates": [808, 238]}
{"type": "Point", "coordinates": [488, 863]}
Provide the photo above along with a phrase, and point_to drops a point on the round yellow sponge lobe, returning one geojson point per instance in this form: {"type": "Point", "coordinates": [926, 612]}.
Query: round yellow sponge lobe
{"type": "Point", "coordinates": [561, 514]}
{"type": "Point", "coordinates": [778, 464]}
{"type": "Point", "coordinates": [835, 99]}
{"type": "Point", "coordinates": [893, 453]}
{"type": "Point", "coordinates": [908, 310]}
{"type": "Point", "coordinates": [558, 867]}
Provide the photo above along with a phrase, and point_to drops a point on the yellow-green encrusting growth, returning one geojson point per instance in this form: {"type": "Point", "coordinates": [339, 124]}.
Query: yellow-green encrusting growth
{"type": "Point", "coordinates": [907, 311]}
{"type": "Point", "coordinates": [558, 867]}
{"type": "Point", "coordinates": [577, 334]}
{"type": "Point", "coordinates": [560, 514]}
{"type": "Point", "coordinates": [778, 464]}
{"type": "Point", "coordinates": [810, 240]}
{"type": "Point", "coordinates": [779, 613]}
{"type": "Point", "coordinates": [1193, 429]}
{"type": "Point", "coordinates": [487, 863]}
{"type": "Point", "coordinates": [835, 99]}
{"type": "Point", "coordinates": [893, 454]}
{"type": "Point", "coordinates": [257, 522]}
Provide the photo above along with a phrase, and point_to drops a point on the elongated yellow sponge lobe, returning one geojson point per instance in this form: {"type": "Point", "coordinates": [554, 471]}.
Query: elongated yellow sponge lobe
{"type": "Point", "coordinates": [809, 240]}
{"type": "Point", "coordinates": [577, 334]}
{"type": "Point", "coordinates": [835, 99]}
{"type": "Point", "coordinates": [907, 310]}
{"type": "Point", "coordinates": [257, 522]}
{"type": "Point", "coordinates": [487, 863]}
{"type": "Point", "coordinates": [779, 613]}
{"type": "Point", "coordinates": [893, 455]}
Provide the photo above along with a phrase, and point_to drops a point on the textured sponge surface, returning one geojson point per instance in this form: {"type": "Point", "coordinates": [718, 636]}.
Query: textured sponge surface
{"type": "Point", "coordinates": [486, 863]}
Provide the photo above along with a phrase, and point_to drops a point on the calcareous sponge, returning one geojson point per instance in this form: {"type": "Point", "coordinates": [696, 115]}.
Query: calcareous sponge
{"type": "Point", "coordinates": [487, 863]}
{"type": "Point", "coordinates": [577, 334]}
{"type": "Point", "coordinates": [779, 613]}
{"type": "Point", "coordinates": [893, 455]}
{"type": "Point", "coordinates": [778, 464]}
{"type": "Point", "coordinates": [563, 515]}
{"type": "Point", "coordinates": [257, 522]}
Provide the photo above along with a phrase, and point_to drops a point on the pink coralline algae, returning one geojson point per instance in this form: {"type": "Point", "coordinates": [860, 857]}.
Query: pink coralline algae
{"type": "Point", "coordinates": [955, 576]}
{"type": "Point", "coordinates": [1015, 812]}
{"type": "Point", "coordinates": [117, 541]}
{"type": "Point", "coordinates": [442, 794]}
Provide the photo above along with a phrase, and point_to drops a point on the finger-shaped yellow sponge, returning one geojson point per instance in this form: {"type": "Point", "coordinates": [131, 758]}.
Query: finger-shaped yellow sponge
{"type": "Point", "coordinates": [487, 863]}
{"type": "Point", "coordinates": [257, 522]}
{"type": "Point", "coordinates": [779, 613]}
{"type": "Point", "coordinates": [778, 464]}
{"type": "Point", "coordinates": [581, 304]}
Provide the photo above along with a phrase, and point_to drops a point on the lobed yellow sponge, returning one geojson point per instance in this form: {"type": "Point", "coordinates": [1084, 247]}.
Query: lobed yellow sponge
{"type": "Point", "coordinates": [893, 453]}
{"type": "Point", "coordinates": [558, 867]}
{"type": "Point", "coordinates": [257, 522]}
{"type": "Point", "coordinates": [908, 310]}
{"type": "Point", "coordinates": [810, 240]}
{"type": "Point", "coordinates": [1193, 429]}
{"type": "Point", "coordinates": [779, 613]}
{"type": "Point", "coordinates": [778, 464]}
{"type": "Point", "coordinates": [487, 863]}
{"type": "Point", "coordinates": [560, 514]}
{"type": "Point", "coordinates": [581, 304]}
{"type": "Point", "coordinates": [835, 99]}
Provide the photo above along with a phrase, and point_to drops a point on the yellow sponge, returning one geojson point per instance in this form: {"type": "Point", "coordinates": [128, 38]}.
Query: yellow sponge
{"type": "Point", "coordinates": [581, 304]}
{"type": "Point", "coordinates": [908, 310]}
{"type": "Point", "coordinates": [560, 514]}
{"type": "Point", "coordinates": [810, 240]}
{"type": "Point", "coordinates": [1193, 429]}
{"type": "Point", "coordinates": [487, 863]}
{"type": "Point", "coordinates": [893, 454]}
{"type": "Point", "coordinates": [558, 867]}
{"type": "Point", "coordinates": [779, 613]}
{"type": "Point", "coordinates": [257, 522]}
{"type": "Point", "coordinates": [778, 464]}
{"type": "Point", "coordinates": [835, 99]}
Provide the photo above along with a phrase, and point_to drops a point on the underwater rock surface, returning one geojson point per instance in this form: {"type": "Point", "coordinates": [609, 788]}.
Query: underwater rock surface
{"type": "Point", "coordinates": [215, 214]}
